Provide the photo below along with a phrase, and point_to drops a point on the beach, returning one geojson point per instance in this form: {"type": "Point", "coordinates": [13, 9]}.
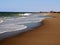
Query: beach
{"type": "Point", "coordinates": [46, 34]}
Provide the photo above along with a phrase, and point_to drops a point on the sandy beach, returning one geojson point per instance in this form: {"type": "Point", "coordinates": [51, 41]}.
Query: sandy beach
{"type": "Point", "coordinates": [46, 34]}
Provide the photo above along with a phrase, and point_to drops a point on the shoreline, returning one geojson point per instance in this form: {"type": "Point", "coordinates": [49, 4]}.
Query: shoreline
{"type": "Point", "coordinates": [16, 28]}
{"type": "Point", "coordinates": [46, 34]}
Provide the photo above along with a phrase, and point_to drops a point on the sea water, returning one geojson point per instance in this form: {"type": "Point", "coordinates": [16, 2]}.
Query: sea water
{"type": "Point", "coordinates": [10, 26]}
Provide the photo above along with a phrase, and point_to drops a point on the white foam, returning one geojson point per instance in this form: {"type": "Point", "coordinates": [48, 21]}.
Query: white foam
{"type": "Point", "coordinates": [1, 21]}
{"type": "Point", "coordinates": [11, 27]}
{"type": "Point", "coordinates": [27, 14]}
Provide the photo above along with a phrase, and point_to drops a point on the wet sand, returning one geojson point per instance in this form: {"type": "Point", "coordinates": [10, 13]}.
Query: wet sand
{"type": "Point", "coordinates": [47, 34]}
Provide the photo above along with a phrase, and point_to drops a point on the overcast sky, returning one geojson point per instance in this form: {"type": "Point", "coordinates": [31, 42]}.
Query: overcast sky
{"type": "Point", "coordinates": [29, 5]}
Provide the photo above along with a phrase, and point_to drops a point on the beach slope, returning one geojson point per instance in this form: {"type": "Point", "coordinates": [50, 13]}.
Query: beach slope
{"type": "Point", "coordinates": [47, 34]}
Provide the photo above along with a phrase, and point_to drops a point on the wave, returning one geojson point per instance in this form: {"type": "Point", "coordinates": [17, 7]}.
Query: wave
{"type": "Point", "coordinates": [12, 26]}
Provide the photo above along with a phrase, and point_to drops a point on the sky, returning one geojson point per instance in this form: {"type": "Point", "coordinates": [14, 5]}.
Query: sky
{"type": "Point", "coordinates": [29, 5]}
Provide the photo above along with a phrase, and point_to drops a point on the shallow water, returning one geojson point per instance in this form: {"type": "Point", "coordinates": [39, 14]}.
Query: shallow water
{"type": "Point", "coordinates": [21, 20]}
{"type": "Point", "coordinates": [12, 24]}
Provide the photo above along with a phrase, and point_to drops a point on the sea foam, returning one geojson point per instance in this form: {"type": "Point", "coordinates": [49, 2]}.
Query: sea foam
{"type": "Point", "coordinates": [11, 27]}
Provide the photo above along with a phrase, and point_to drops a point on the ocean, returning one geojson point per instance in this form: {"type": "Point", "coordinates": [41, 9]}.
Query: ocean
{"type": "Point", "coordinates": [10, 26]}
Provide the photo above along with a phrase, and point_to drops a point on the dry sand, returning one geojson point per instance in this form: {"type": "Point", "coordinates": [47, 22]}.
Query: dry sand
{"type": "Point", "coordinates": [47, 34]}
